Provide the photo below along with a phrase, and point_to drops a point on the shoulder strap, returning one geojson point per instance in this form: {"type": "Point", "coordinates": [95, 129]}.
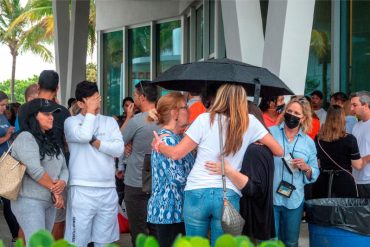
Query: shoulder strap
{"type": "Point", "coordinates": [222, 155]}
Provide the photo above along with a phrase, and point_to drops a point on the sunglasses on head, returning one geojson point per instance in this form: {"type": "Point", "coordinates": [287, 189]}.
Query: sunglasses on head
{"type": "Point", "coordinates": [142, 89]}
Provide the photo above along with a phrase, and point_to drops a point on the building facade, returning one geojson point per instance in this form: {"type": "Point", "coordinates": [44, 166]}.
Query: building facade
{"type": "Point", "coordinates": [322, 44]}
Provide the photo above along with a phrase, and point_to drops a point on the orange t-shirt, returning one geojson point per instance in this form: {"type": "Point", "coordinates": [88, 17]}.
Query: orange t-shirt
{"type": "Point", "coordinates": [269, 121]}
{"type": "Point", "coordinates": [195, 110]}
{"type": "Point", "coordinates": [315, 128]}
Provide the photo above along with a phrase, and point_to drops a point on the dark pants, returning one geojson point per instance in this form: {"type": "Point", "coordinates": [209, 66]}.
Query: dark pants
{"type": "Point", "coordinates": [136, 206]}
{"type": "Point", "coordinates": [364, 190]}
{"type": "Point", "coordinates": [10, 218]}
{"type": "Point", "coordinates": [167, 233]}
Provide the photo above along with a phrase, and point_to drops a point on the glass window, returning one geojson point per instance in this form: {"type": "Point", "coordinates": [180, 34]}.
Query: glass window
{"type": "Point", "coordinates": [112, 72]}
{"type": "Point", "coordinates": [319, 61]}
{"type": "Point", "coordinates": [359, 45]}
{"type": "Point", "coordinates": [168, 45]}
{"type": "Point", "coordinates": [139, 56]}
{"type": "Point", "coordinates": [211, 26]}
{"type": "Point", "coordinates": [199, 33]}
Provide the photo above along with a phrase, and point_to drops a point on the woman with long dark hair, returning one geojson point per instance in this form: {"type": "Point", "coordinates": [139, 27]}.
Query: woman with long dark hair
{"type": "Point", "coordinates": [338, 154]}
{"type": "Point", "coordinates": [46, 174]}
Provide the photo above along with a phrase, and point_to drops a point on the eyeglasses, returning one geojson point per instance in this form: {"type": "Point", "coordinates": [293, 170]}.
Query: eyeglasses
{"type": "Point", "coordinates": [183, 107]}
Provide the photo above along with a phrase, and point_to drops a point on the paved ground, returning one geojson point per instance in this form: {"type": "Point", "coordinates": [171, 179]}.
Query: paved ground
{"type": "Point", "coordinates": [125, 240]}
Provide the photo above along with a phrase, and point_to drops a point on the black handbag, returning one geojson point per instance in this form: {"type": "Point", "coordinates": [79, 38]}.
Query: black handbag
{"type": "Point", "coordinates": [231, 221]}
{"type": "Point", "coordinates": [146, 174]}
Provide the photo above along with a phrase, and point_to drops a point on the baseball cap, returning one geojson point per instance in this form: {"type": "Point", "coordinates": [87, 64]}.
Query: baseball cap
{"type": "Point", "coordinates": [42, 105]}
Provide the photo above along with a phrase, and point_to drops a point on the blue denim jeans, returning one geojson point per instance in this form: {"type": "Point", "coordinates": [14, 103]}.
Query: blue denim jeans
{"type": "Point", "coordinates": [288, 224]}
{"type": "Point", "coordinates": [203, 209]}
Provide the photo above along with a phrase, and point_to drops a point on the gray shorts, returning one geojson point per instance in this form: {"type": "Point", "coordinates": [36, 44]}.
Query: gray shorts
{"type": "Point", "coordinates": [61, 212]}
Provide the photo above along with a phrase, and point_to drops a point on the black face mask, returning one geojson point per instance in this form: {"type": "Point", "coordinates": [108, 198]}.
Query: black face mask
{"type": "Point", "coordinates": [280, 108]}
{"type": "Point", "coordinates": [291, 121]}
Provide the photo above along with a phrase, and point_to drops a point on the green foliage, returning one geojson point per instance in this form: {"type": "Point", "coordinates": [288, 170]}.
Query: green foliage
{"type": "Point", "coordinates": [91, 72]}
{"type": "Point", "coordinates": [146, 241]}
{"type": "Point", "coordinates": [43, 238]}
{"type": "Point", "coordinates": [19, 87]}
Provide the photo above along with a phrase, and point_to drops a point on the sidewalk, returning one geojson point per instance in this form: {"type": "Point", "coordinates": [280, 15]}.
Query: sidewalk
{"type": "Point", "coordinates": [125, 240]}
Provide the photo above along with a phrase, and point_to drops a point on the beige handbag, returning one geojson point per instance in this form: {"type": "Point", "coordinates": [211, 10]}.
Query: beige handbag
{"type": "Point", "coordinates": [11, 175]}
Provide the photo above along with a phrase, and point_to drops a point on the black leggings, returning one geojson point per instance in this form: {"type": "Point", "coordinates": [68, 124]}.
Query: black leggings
{"type": "Point", "coordinates": [10, 218]}
{"type": "Point", "coordinates": [167, 233]}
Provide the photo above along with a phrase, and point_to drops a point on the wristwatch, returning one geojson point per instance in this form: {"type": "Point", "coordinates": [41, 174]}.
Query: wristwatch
{"type": "Point", "coordinates": [92, 139]}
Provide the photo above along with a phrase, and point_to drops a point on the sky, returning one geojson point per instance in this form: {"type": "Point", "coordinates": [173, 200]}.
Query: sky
{"type": "Point", "coordinates": [28, 64]}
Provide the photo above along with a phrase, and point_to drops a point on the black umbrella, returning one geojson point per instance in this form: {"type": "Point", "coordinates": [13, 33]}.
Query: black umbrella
{"type": "Point", "coordinates": [197, 75]}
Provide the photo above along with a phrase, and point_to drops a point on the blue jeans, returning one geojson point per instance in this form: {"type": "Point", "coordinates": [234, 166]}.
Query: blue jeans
{"type": "Point", "coordinates": [288, 224]}
{"type": "Point", "coordinates": [203, 209]}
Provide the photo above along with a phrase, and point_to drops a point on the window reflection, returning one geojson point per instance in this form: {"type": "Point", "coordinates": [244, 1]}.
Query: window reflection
{"type": "Point", "coordinates": [112, 72]}
{"type": "Point", "coordinates": [139, 55]}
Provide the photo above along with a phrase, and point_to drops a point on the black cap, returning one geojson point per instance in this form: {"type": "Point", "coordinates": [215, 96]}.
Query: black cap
{"type": "Point", "coordinates": [318, 93]}
{"type": "Point", "coordinates": [41, 105]}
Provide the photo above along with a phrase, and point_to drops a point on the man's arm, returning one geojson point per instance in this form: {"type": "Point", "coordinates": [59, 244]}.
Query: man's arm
{"type": "Point", "coordinates": [75, 132]}
{"type": "Point", "coordinates": [114, 146]}
{"type": "Point", "coordinates": [129, 132]}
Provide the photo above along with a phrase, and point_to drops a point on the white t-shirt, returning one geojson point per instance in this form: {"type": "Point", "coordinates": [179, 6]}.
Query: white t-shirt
{"type": "Point", "coordinates": [207, 137]}
{"type": "Point", "coordinates": [321, 114]}
{"type": "Point", "coordinates": [361, 131]}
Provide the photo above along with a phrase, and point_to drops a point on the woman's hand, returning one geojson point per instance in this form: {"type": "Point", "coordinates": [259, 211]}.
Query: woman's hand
{"type": "Point", "coordinates": [214, 168]}
{"type": "Point", "coordinates": [58, 200]}
{"type": "Point", "coordinates": [153, 114]}
{"type": "Point", "coordinates": [156, 142]}
{"type": "Point", "coordinates": [130, 110]}
{"type": "Point", "coordinates": [59, 186]}
{"type": "Point", "coordinates": [300, 164]}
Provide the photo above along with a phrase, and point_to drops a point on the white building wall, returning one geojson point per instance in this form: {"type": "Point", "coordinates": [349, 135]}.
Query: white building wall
{"type": "Point", "coordinates": [112, 14]}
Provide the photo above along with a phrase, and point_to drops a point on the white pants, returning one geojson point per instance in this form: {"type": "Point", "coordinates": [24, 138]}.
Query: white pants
{"type": "Point", "coordinates": [92, 216]}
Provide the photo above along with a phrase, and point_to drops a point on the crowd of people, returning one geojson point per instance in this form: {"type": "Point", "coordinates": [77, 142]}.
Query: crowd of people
{"type": "Point", "coordinates": [162, 157]}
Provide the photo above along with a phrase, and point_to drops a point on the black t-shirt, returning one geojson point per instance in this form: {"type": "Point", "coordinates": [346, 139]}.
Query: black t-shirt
{"type": "Point", "coordinates": [58, 123]}
{"type": "Point", "coordinates": [342, 151]}
{"type": "Point", "coordinates": [256, 205]}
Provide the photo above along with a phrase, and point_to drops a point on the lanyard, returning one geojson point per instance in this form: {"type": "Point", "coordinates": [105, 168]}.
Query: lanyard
{"type": "Point", "coordinates": [282, 169]}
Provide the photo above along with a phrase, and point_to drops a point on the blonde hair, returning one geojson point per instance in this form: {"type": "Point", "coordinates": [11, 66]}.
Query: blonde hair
{"type": "Point", "coordinates": [167, 103]}
{"type": "Point", "coordinates": [334, 127]}
{"type": "Point", "coordinates": [231, 101]}
{"type": "Point", "coordinates": [306, 125]}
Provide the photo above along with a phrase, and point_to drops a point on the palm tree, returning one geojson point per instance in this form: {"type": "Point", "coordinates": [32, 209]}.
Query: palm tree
{"type": "Point", "coordinates": [36, 16]}
{"type": "Point", "coordinates": [320, 44]}
{"type": "Point", "coordinates": [26, 35]}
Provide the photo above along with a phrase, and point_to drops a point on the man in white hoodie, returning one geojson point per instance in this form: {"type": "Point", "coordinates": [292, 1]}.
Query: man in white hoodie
{"type": "Point", "coordinates": [94, 141]}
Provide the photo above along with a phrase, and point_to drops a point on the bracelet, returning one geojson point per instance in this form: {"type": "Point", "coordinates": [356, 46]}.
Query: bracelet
{"type": "Point", "coordinates": [308, 170]}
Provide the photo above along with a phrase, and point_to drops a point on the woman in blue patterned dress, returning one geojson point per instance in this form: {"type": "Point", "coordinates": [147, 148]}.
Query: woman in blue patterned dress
{"type": "Point", "coordinates": [165, 206]}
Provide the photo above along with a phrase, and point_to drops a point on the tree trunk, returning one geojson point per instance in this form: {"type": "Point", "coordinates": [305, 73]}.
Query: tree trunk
{"type": "Point", "coordinates": [13, 77]}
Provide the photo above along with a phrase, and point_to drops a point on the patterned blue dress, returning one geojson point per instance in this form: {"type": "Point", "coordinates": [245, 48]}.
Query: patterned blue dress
{"type": "Point", "coordinates": [165, 205]}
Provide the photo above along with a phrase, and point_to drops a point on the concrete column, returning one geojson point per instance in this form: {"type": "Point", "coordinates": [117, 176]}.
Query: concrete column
{"type": "Point", "coordinates": [77, 45]}
{"type": "Point", "coordinates": [243, 30]}
{"type": "Point", "coordinates": [287, 42]}
{"type": "Point", "coordinates": [61, 39]}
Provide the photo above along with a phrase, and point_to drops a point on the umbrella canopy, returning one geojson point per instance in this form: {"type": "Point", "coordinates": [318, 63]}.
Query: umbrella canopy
{"type": "Point", "coordinates": [197, 75]}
